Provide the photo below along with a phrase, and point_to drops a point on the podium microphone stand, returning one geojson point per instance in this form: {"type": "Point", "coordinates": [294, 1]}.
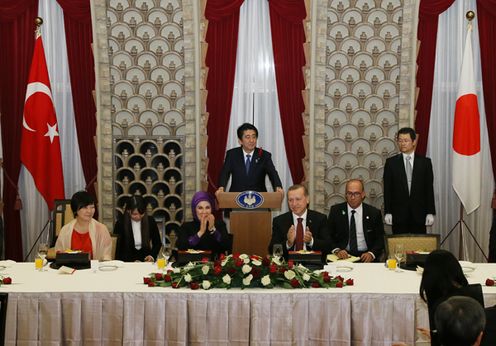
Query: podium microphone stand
{"type": "Point", "coordinates": [459, 224]}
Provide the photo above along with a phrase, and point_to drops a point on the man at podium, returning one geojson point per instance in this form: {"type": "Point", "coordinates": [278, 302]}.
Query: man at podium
{"type": "Point", "coordinates": [248, 165]}
{"type": "Point", "coordinates": [300, 228]}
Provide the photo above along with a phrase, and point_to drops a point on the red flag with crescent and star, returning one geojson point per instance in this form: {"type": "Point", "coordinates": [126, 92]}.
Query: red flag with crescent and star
{"type": "Point", "coordinates": [40, 143]}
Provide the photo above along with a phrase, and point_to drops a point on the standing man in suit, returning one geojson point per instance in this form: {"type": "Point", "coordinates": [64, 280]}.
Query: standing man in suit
{"type": "Point", "coordinates": [300, 228]}
{"type": "Point", "coordinates": [248, 165]}
{"type": "Point", "coordinates": [356, 228]}
{"type": "Point", "coordinates": [408, 187]}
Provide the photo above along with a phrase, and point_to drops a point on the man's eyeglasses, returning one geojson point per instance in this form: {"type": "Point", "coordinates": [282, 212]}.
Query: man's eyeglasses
{"type": "Point", "coordinates": [353, 194]}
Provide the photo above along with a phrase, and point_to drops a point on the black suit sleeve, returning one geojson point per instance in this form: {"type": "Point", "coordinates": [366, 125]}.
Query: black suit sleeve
{"type": "Point", "coordinates": [118, 231]}
{"type": "Point", "coordinates": [279, 234]}
{"type": "Point", "coordinates": [154, 237]}
{"type": "Point", "coordinates": [429, 188]}
{"type": "Point", "coordinates": [374, 232]}
{"type": "Point", "coordinates": [225, 172]}
{"type": "Point", "coordinates": [388, 186]}
{"type": "Point", "coordinates": [272, 172]}
{"type": "Point", "coordinates": [317, 224]}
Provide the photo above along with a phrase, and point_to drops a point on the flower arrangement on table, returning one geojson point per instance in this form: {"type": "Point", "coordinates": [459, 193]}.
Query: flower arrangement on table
{"type": "Point", "coordinates": [243, 271]}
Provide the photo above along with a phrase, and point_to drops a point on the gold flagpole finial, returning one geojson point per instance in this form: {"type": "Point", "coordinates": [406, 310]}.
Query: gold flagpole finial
{"type": "Point", "coordinates": [38, 21]}
{"type": "Point", "coordinates": [470, 15]}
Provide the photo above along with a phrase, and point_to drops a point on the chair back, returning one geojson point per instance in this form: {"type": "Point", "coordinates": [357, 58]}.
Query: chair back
{"type": "Point", "coordinates": [62, 214]}
{"type": "Point", "coordinates": [4, 297]}
{"type": "Point", "coordinates": [412, 242]}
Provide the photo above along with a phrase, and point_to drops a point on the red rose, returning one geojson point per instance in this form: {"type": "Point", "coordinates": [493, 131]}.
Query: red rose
{"type": "Point", "coordinates": [151, 284]}
{"type": "Point", "coordinates": [255, 272]}
{"type": "Point", "coordinates": [204, 260]}
{"type": "Point", "coordinates": [489, 282]}
{"type": "Point", "coordinates": [175, 285]}
{"type": "Point", "coordinates": [217, 263]}
{"type": "Point", "coordinates": [327, 278]}
{"type": "Point", "coordinates": [221, 257]}
{"type": "Point", "coordinates": [194, 286]}
{"type": "Point", "coordinates": [340, 278]}
{"type": "Point", "coordinates": [339, 284]}
{"type": "Point", "coordinates": [159, 276]}
{"type": "Point", "coordinates": [265, 261]}
{"type": "Point", "coordinates": [324, 274]}
{"type": "Point", "coordinates": [255, 258]}
{"type": "Point", "coordinates": [217, 270]}
{"type": "Point", "coordinates": [235, 255]}
{"type": "Point", "coordinates": [282, 270]}
{"type": "Point", "coordinates": [315, 284]}
{"type": "Point", "coordinates": [239, 262]}
{"type": "Point", "coordinates": [273, 268]}
{"type": "Point", "coordinates": [146, 280]}
{"type": "Point", "coordinates": [290, 264]}
{"type": "Point", "coordinates": [349, 282]}
{"type": "Point", "coordinates": [167, 278]}
{"type": "Point", "coordinates": [295, 283]}
{"type": "Point", "coordinates": [231, 271]}
{"type": "Point", "coordinates": [7, 280]}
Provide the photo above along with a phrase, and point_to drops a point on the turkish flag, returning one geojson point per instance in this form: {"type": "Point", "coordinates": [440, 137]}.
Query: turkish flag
{"type": "Point", "coordinates": [40, 143]}
{"type": "Point", "coordinates": [466, 135]}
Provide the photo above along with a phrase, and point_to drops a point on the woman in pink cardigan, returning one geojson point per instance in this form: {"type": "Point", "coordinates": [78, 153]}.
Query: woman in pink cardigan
{"type": "Point", "coordinates": [85, 233]}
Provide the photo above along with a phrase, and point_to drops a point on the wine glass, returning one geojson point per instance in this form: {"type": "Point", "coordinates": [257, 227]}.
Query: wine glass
{"type": "Point", "coordinates": [42, 253]}
{"type": "Point", "coordinates": [277, 251]}
{"type": "Point", "coordinates": [399, 254]}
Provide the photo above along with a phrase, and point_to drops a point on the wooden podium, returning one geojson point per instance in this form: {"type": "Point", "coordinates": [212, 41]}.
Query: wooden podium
{"type": "Point", "coordinates": [251, 228]}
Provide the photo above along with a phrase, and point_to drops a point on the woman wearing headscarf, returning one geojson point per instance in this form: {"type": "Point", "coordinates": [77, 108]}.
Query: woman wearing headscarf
{"type": "Point", "coordinates": [204, 232]}
{"type": "Point", "coordinates": [139, 239]}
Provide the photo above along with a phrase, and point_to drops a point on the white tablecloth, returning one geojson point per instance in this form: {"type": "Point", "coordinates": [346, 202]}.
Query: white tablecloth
{"type": "Point", "coordinates": [114, 308]}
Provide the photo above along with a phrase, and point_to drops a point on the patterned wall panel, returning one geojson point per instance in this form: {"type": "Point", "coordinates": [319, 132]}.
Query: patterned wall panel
{"type": "Point", "coordinates": [363, 53]}
{"type": "Point", "coordinates": [147, 85]}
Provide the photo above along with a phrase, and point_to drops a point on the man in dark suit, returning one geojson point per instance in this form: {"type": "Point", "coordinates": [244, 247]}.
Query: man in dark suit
{"type": "Point", "coordinates": [408, 187]}
{"type": "Point", "coordinates": [356, 228]}
{"type": "Point", "coordinates": [300, 228]}
{"type": "Point", "coordinates": [248, 165]}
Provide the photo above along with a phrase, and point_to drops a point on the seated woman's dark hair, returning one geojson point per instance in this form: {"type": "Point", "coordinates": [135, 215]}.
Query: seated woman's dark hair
{"type": "Point", "coordinates": [79, 200]}
{"type": "Point", "coordinates": [136, 202]}
{"type": "Point", "coordinates": [442, 275]}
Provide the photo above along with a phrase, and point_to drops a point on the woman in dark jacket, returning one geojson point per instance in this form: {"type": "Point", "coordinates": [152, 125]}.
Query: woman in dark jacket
{"type": "Point", "coordinates": [204, 232]}
{"type": "Point", "coordinates": [139, 239]}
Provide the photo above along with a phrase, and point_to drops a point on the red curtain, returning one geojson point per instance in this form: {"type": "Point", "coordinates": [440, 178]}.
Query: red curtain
{"type": "Point", "coordinates": [288, 37]}
{"type": "Point", "coordinates": [486, 17]}
{"type": "Point", "coordinates": [17, 36]}
{"type": "Point", "coordinates": [222, 39]}
{"type": "Point", "coordinates": [429, 12]}
{"type": "Point", "coordinates": [78, 30]}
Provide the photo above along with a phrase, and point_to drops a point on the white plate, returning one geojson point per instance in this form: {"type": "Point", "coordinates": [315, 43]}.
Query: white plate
{"type": "Point", "coordinates": [343, 268]}
{"type": "Point", "coordinates": [107, 267]}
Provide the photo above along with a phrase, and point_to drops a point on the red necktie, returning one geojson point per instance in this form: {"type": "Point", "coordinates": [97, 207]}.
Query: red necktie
{"type": "Point", "coordinates": [299, 234]}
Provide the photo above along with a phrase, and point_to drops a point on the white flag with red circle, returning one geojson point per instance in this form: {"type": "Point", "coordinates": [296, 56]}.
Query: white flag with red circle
{"type": "Point", "coordinates": [466, 135]}
{"type": "Point", "coordinates": [40, 143]}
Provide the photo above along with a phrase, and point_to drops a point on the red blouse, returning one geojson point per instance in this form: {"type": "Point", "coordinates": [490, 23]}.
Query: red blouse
{"type": "Point", "coordinates": [82, 242]}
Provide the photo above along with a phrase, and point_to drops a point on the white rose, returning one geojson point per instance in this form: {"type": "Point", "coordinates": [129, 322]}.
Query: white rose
{"type": "Point", "coordinates": [246, 260]}
{"type": "Point", "coordinates": [176, 270]}
{"type": "Point", "coordinates": [246, 269]}
{"type": "Point", "coordinates": [187, 277]}
{"type": "Point", "coordinates": [224, 261]}
{"type": "Point", "coordinates": [247, 280]}
{"type": "Point", "coordinates": [226, 279]}
{"type": "Point", "coordinates": [289, 274]}
{"type": "Point", "coordinates": [266, 280]}
{"type": "Point", "coordinates": [206, 284]}
{"type": "Point", "coordinates": [256, 262]}
{"type": "Point", "coordinates": [306, 277]}
{"type": "Point", "coordinates": [244, 256]}
{"type": "Point", "coordinates": [276, 260]}
{"type": "Point", "coordinates": [205, 270]}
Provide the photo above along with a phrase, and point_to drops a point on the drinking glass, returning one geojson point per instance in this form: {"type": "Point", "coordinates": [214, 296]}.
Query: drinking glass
{"type": "Point", "coordinates": [399, 254]}
{"type": "Point", "coordinates": [277, 251]}
{"type": "Point", "coordinates": [163, 257]}
{"type": "Point", "coordinates": [42, 253]}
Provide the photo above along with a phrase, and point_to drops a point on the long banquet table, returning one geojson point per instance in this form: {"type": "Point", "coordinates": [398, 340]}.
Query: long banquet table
{"type": "Point", "coordinates": [116, 308]}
